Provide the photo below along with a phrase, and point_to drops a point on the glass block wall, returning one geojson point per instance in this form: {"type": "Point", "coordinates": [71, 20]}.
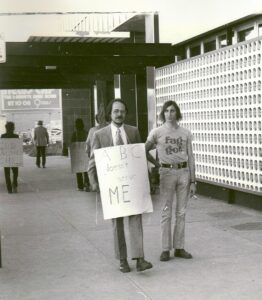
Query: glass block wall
{"type": "Point", "coordinates": [219, 94]}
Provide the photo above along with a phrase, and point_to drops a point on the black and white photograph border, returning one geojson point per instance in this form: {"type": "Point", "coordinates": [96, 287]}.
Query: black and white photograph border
{"type": "Point", "coordinates": [65, 61]}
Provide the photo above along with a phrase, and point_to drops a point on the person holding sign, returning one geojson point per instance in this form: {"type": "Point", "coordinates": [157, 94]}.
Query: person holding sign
{"type": "Point", "coordinates": [11, 187]}
{"type": "Point", "coordinates": [100, 120]}
{"type": "Point", "coordinates": [80, 135]}
{"type": "Point", "coordinates": [41, 139]}
{"type": "Point", "coordinates": [118, 133]}
{"type": "Point", "coordinates": [177, 176]}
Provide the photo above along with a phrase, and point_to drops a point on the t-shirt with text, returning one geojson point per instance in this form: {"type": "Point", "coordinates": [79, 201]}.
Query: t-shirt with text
{"type": "Point", "coordinates": [171, 143]}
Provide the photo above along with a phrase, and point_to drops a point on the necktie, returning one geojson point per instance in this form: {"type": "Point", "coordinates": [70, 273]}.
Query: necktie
{"type": "Point", "coordinates": [119, 140]}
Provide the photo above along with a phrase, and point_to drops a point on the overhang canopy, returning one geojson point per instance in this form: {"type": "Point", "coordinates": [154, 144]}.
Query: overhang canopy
{"type": "Point", "coordinates": [72, 64]}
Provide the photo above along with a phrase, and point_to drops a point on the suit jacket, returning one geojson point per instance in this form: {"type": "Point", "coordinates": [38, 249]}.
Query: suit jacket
{"type": "Point", "coordinates": [103, 138]}
{"type": "Point", "coordinates": [90, 137]}
{"type": "Point", "coordinates": [41, 136]}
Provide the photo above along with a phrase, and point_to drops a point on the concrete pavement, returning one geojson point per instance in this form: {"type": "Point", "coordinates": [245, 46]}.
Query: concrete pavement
{"type": "Point", "coordinates": [56, 245]}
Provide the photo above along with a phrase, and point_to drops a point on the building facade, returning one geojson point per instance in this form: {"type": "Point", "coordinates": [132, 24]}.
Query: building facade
{"type": "Point", "coordinates": [218, 88]}
{"type": "Point", "coordinates": [91, 58]}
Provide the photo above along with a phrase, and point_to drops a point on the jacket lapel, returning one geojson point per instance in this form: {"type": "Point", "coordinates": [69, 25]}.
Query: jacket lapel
{"type": "Point", "coordinates": [108, 139]}
{"type": "Point", "coordinates": [108, 136]}
{"type": "Point", "coordinates": [128, 135]}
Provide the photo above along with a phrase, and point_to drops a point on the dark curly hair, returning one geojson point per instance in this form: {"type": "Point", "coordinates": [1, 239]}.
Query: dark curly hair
{"type": "Point", "coordinates": [165, 106]}
{"type": "Point", "coordinates": [110, 105]}
{"type": "Point", "coordinates": [10, 126]}
{"type": "Point", "coordinates": [79, 124]}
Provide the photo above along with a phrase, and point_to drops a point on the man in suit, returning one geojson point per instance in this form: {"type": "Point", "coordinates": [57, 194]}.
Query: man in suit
{"type": "Point", "coordinates": [41, 139]}
{"type": "Point", "coordinates": [118, 133]}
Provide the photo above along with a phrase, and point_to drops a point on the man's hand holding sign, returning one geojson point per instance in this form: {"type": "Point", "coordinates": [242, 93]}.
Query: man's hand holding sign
{"type": "Point", "coordinates": [118, 163]}
{"type": "Point", "coordinates": [123, 179]}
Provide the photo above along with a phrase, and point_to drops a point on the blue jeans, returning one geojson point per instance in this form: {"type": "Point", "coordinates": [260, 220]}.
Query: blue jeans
{"type": "Point", "coordinates": [174, 184]}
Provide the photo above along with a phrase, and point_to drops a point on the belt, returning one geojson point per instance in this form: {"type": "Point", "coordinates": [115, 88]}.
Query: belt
{"type": "Point", "coordinates": [175, 166]}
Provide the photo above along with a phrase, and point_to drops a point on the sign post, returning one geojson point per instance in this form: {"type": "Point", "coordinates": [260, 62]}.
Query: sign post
{"type": "Point", "coordinates": [123, 180]}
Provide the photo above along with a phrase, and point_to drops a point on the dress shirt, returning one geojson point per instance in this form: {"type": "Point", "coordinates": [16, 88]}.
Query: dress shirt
{"type": "Point", "coordinates": [114, 129]}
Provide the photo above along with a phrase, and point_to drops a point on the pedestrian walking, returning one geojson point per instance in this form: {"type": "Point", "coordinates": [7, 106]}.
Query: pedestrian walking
{"type": "Point", "coordinates": [41, 140]}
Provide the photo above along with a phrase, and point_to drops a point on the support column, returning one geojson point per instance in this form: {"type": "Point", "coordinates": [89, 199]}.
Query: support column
{"type": "Point", "coordinates": [134, 93]}
{"type": "Point", "coordinates": [152, 28]}
{"type": "Point", "coordinates": [144, 104]}
{"type": "Point", "coordinates": [129, 95]}
{"type": "Point", "coordinates": [76, 103]}
{"type": "Point", "coordinates": [151, 98]}
{"type": "Point", "coordinates": [105, 91]}
{"type": "Point", "coordinates": [217, 43]}
{"type": "Point", "coordinates": [117, 86]}
{"type": "Point", "coordinates": [152, 36]}
{"type": "Point", "coordinates": [101, 92]}
{"type": "Point", "coordinates": [187, 52]}
{"type": "Point", "coordinates": [202, 49]}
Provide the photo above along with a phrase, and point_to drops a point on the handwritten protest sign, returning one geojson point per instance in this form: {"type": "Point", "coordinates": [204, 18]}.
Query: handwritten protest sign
{"type": "Point", "coordinates": [79, 157]}
{"type": "Point", "coordinates": [123, 180]}
{"type": "Point", "coordinates": [11, 152]}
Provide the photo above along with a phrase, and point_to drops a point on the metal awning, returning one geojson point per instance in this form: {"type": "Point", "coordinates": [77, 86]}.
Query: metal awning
{"type": "Point", "coordinates": [78, 39]}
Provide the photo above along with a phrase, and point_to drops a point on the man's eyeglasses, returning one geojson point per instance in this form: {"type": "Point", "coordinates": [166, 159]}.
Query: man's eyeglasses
{"type": "Point", "coordinates": [117, 111]}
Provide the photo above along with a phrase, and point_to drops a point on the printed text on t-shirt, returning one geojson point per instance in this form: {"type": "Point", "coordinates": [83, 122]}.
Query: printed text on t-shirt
{"type": "Point", "coordinates": [170, 149]}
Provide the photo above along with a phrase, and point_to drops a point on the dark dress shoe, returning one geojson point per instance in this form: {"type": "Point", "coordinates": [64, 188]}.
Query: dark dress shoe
{"type": "Point", "coordinates": [182, 253]}
{"type": "Point", "coordinates": [165, 256]}
{"type": "Point", "coordinates": [124, 267]}
{"type": "Point", "coordinates": [142, 265]}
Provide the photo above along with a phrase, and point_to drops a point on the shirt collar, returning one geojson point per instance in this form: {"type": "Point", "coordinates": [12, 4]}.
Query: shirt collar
{"type": "Point", "coordinates": [114, 127]}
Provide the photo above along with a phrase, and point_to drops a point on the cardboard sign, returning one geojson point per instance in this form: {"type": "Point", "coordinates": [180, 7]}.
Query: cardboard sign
{"type": "Point", "coordinates": [79, 157]}
{"type": "Point", "coordinates": [11, 152]}
{"type": "Point", "coordinates": [123, 180]}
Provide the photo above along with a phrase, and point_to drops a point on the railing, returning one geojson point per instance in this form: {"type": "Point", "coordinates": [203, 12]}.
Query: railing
{"type": "Point", "coordinates": [76, 23]}
{"type": "Point", "coordinates": [94, 23]}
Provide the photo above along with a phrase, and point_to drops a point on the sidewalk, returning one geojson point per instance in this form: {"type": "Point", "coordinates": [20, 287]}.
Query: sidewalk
{"type": "Point", "coordinates": [56, 245]}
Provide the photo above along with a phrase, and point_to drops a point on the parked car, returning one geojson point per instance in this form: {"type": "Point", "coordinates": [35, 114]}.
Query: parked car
{"type": "Point", "coordinates": [55, 135]}
{"type": "Point", "coordinates": [26, 136]}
